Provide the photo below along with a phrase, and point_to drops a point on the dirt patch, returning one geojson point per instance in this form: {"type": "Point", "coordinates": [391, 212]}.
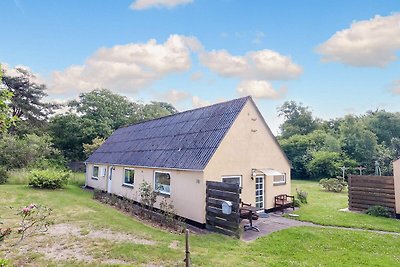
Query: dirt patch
{"type": "Point", "coordinates": [68, 242]}
{"type": "Point", "coordinates": [174, 244]}
{"type": "Point", "coordinates": [73, 230]}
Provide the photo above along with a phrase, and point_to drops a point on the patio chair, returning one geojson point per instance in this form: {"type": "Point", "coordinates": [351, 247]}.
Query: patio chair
{"type": "Point", "coordinates": [248, 212]}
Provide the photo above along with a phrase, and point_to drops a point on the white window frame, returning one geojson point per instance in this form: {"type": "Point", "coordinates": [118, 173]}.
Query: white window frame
{"type": "Point", "coordinates": [98, 172]}
{"type": "Point", "coordinates": [279, 182]}
{"type": "Point", "coordinates": [233, 176]}
{"type": "Point", "coordinates": [154, 182]}
{"type": "Point", "coordinates": [103, 171]}
{"type": "Point", "coordinates": [123, 181]}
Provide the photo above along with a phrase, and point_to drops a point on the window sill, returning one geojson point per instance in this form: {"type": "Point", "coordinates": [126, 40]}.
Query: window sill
{"type": "Point", "coordinates": [128, 185]}
{"type": "Point", "coordinates": [95, 178]}
{"type": "Point", "coordinates": [164, 194]}
{"type": "Point", "coordinates": [280, 183]}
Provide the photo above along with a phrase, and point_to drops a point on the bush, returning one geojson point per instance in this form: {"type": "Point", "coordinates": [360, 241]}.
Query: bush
{"type": "Point", "coordinates": [302, 196]}
{"type": "Point", "coordinates": [333, 184]}
{"type": "Point", "coordinates": [3, 175]}
{"type": "Point", "coordinates": [379, 211]}
{"type": "Point", "coordinates": [5, 262]}
{"type": "Point", "coordinates": [49, 179]}
{"type": "Point", "coordinates": [297, 203]}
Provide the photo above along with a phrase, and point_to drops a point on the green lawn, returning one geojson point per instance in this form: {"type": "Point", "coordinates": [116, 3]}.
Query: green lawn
{"type": "Point", "coordinates": [323, 208]}
{"type": "Point", "coordinates": [301, 246]}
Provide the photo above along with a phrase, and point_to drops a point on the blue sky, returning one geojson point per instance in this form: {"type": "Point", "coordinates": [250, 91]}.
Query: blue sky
{"type": "Point", "coordinates": [207, 51]}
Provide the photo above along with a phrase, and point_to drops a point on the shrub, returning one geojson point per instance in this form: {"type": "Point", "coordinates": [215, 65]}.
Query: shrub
{"type": "Point", "coordinates": [4, 262]}
{"type": "Point", "coordinates": [333, 184]}
{"type": "Point", "coordinates": [3, 175]}
{"type": "Point", "coordinates": [147, 195]}
{"type": "Point", "coordinates": [379, 211]}
{"type": "Point", "coordinates": [297, 203]}
{"type": "Point", "coordinates": [49, 179]}
{"type": "Point", "coordinates": [301, 196]}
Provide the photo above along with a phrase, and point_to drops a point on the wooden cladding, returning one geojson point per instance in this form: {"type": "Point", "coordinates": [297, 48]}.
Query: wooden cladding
{"type": "Point", "coordinates": [367, 191]}
{"type": "Point", "coordinates": [216, 220]}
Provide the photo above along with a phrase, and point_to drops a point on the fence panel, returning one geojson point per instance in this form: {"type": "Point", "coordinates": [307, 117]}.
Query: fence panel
{"type": "Point", "coordinates": [366, 191]}
{"type": "Point", "coordinates": [216, 220]}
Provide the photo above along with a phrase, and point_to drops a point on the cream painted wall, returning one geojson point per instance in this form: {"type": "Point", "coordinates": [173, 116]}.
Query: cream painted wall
{"type": "Point", "coordinates": [396, 174]}
{"type": "Point", "coordinates": [249, 144]}
{"type": "Point", "coordinates": [101, 182]}
{"type": "Point", "coordinates": [186, 188]}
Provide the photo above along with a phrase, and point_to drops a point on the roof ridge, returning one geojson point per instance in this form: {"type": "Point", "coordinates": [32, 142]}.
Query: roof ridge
{"type": "Point", "coordinates": [189, 110]}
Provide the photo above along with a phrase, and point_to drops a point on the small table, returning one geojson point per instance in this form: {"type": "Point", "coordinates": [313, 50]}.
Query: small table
{"type": "Point", "coordinates": [252, 211]}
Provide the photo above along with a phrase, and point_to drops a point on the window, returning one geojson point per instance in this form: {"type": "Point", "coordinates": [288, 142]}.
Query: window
{"type": "Point", "coordinates": [280, 179]}
{"type": "Point", "coordinates": [103, 171]}
{"type": "Point", "coordinates": [129, 177]}
{"type": "Point", "coordinates": [162, 182]}
{"type": "Point", "coordinates": [95, 172]}
{"type": "Point", "coordinates": [232, 180]}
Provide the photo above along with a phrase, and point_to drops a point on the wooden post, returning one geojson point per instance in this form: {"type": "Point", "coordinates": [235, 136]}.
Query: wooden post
{"type": "Point", "coordinates": [187, 254]}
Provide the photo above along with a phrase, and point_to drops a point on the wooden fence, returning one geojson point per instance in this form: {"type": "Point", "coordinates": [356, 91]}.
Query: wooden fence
{"type": "Point", "coordinates": [217, 221]}
{"type": "Point", "coordinates": [367, 191]}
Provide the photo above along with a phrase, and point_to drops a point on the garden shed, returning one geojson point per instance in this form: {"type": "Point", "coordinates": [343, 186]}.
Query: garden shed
{"type": "Point", "coordinates": [226, 142]}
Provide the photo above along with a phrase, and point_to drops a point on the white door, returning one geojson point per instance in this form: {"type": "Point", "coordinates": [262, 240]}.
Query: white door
{"type": "Point", "coordinates": [110, 170]}
{"type": "Point", "coordinates": [260, 192]}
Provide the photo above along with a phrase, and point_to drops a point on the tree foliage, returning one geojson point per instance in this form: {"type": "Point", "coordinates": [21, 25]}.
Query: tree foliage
{"type": "Point", "coordinates": [320, 148]}
{"type": "Point", "coordinates": [6, 118]}
{"type": "Point", "coordinates": [27, 151]}
{"type": "Point", "coordinates": [298, 119]}
{"type": "Point", "coordinates": [27, 97]}
{"type": "Point", "coordinates": [97, 114]}
{"type": "Point", "coordinates": [88, 149]}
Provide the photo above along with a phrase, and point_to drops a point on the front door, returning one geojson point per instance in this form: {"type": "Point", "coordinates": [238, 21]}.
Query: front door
{"type": "Point", "coordinates": [260, 192]}
{"type": "Point", "coordinates": [109, 184]}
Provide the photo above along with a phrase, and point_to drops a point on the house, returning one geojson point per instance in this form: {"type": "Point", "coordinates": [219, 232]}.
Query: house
{"type": "Point", "coordinates": [396, 178]}
{"type": "Point", "coordinates": [177, 154]}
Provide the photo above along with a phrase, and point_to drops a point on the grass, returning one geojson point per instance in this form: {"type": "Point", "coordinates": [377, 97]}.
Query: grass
{"type": "Point", "coordinates": [21, 177]}
{"type": "Point", "coordinates": [323, 208]}
{"type": "Point", "coordinates": [301, 246]}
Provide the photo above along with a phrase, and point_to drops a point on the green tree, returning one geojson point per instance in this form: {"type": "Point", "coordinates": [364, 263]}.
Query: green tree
{"type": "Point", "coordinates": [152, 111]}
{"type": "Point", "coordinates": [89, 149]}
{"type": "Point", "coordinates": [103, 106]}
{"type": "Point", "coordinates": [298, 119]}
{"type": "Point", "coordinates": [27, 97]}
{"type": "Point", "coordinates": [384, 125]}
{"type": "Point", "coordinates": [326, 164]}
{"type": "Point", "coordinates": [6, 118]}
{"type": "Point", "coordinates": [300, 148]}
{"type": "Point", "coordinates": [70, 132]}
{"type": "Point", "coordinates": [358, 142]}
{"type": "Point", "coordinates": [16, 152]}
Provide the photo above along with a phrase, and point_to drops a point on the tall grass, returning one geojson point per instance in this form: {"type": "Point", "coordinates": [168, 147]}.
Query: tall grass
{"type": "Point", "coordinates": [21, 177]}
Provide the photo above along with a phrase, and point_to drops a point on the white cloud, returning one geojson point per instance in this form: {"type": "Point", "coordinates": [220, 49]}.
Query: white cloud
{"type": "Point", "coordinates": [146, 4]}
{"type": "Point", "coordinates": [367, 43]}
{"type": "Point", "coordinates": [224, 63]}
{"type": "Point", "coordinates": [396, 87]}
{"type": "Point", "coordinates": [256, 65]}
{"type": "Point", "coordinates": [13, 72]}
{"type": "Point", "coordinates": [126, 68]}
{"type": "Point", "coordinates": [260, 89]}
{"type": "Point", "coordinates": [198, 102]}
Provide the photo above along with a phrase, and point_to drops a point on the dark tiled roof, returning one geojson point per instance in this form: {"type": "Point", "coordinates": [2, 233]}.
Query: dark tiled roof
{"type": "Point", "coordinates": [185, 140]}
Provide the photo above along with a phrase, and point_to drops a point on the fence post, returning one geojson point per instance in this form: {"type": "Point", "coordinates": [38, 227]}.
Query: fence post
{"type": "Point", "coordinates": [187, 253]}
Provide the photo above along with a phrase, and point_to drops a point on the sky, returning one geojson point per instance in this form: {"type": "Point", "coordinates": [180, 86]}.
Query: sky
{"type": "Point", "coordinates": [337, 57]}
